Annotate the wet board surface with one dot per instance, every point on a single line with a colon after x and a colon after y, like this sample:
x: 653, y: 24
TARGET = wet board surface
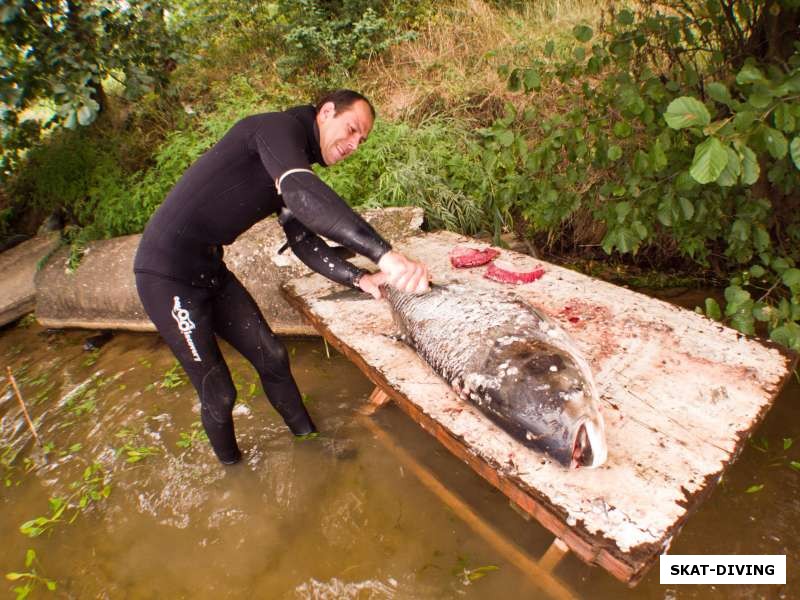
x: 680, y: 395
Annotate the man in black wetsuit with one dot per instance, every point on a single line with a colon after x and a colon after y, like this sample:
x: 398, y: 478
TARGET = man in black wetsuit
x: 262, y: 166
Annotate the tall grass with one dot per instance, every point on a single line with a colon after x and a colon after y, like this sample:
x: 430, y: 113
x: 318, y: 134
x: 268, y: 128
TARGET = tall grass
x: 451, y: 67
x: 435, y: 166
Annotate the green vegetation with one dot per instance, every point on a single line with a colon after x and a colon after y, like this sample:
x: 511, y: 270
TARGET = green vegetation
x: 662, y: 137
x: 195, y: 434
x: 31, y: 579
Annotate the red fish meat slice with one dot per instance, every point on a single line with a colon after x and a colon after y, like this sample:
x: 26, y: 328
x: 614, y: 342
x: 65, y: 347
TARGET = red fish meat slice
x: 466, y: 256
x: 506, y: 272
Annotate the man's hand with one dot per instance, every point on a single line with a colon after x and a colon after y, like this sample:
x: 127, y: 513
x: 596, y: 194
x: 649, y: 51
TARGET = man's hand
x: 406, y: 275
x: 371, y: 283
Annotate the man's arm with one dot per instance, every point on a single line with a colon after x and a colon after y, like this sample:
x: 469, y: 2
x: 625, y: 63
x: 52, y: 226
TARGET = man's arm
x: 322, y: 211
x: 316, y: 254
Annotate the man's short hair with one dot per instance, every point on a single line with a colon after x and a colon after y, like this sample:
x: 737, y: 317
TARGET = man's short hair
x: 342, y: 100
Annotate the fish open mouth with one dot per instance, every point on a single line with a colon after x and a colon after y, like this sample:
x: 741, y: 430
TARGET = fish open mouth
x: 589, y: 449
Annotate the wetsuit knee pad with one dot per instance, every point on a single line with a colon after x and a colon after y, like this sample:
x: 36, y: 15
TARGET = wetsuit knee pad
x: 217, y: 395
x: 274, y: 359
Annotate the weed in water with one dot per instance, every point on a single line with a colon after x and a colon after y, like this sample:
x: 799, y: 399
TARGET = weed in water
x: 195, y: 434
x: 136, y: 454
x: 174, y: 377
x: 133, y: 452
x: 27, y: 321
x: 30, y: 579
x: 7, y: 457
x: 91, y: 359
x: 467, y: 574
x: 93, y: 486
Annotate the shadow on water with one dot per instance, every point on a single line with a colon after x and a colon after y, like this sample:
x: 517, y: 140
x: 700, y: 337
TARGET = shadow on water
x: 335, y: 517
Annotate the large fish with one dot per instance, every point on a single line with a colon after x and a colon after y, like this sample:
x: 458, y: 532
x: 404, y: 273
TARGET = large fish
x: 510, y: 361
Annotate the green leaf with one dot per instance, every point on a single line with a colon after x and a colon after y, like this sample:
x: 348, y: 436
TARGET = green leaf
x: 795, y: 465
x: 750, y: 74
x: 666, y: 212
x: 740, y: 230
x: 718, y: 92
x: 763, y: 312
x: 658, y: 157
x: 622, y: 129
x: 531, y: 80
x: 614, y: 152
x: 743, y: 321
x: 622, y: 209
x: 582, y: 33
x: 759, y: 100
x: 641, y: 162
x: 794, y: 149
x: 744, y: 120
x: 775, y: 141
x: 787, y: 443
x: 505, y: 137
x: 549, y: 48
x: 783, y: 118
x: 687, y: 208
x: 787, y: 335
x: 750, y: 167
x: 30, y: 556
x: 791, y: 279
x: 712, y: 309
x: 16, y: 576
x: 735, y: 297
x: 51, y: 585
x: 757, y: 271
x: 625, y: 17
x: 779, y: 265
x: 754, y: 488
x: 710, y: 160
x: 730, y: 175
x: 761, y: 239
x: 687, y: 112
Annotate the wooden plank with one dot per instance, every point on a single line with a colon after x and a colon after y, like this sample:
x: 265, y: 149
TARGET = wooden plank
x: 680, y: 395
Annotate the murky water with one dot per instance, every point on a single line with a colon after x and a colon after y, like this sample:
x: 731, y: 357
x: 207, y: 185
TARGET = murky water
x: 151, y: 514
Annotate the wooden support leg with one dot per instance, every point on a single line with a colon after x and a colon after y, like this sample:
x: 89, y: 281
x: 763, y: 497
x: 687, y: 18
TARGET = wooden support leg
x: 376, y: 399
x: 554, y: 554
x: 540, y: 577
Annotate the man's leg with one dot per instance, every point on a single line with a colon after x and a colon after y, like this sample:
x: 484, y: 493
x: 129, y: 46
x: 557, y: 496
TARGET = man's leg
x: 183, y: 316
x: 238, y: 320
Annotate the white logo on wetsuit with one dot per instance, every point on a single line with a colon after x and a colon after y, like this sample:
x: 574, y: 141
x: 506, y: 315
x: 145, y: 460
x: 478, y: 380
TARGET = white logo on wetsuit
x: 186, y: 326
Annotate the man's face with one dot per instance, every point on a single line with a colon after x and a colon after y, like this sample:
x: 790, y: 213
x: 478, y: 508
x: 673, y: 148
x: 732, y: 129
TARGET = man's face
x: 340, y: 135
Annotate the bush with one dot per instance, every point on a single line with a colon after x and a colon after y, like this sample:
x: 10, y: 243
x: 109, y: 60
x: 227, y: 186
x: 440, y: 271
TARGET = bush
x: 670, y: 138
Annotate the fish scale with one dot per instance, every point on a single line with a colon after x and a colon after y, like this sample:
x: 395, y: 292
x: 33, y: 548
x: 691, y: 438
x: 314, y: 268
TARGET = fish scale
x: 511, y: 362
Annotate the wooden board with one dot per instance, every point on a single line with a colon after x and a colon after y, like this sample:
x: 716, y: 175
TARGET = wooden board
x: 680, y: 394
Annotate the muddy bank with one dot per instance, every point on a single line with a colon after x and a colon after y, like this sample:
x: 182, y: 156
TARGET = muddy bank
x: 101, y: 292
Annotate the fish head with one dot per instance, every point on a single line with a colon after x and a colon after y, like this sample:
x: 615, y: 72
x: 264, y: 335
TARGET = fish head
x: 548, y: 400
